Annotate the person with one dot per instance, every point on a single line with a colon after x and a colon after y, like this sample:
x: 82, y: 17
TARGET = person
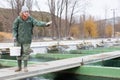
x: 22, y: 35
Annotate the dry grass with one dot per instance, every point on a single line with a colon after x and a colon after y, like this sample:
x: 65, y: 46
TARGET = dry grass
x: 5, y: 36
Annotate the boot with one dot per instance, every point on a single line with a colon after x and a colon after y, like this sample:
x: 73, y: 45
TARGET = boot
x: 25, y: 66
x: 19, y: 66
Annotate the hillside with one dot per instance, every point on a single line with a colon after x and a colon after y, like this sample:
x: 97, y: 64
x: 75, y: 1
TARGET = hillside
x: 6, y: 18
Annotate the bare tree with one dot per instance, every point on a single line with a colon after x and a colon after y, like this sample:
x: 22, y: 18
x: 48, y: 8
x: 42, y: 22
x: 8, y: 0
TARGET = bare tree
x: 66, y: 8
x: 42, y: 18
x: 66, y: 16
x: 53, y: 8
x: 51, y: 4
x: 57, y: 8
x: 29, y: 4
x: 61, y: 8
x: 71, y: 16
x: 38, y: 7
x: 81, y: 29
x: 16, y: 6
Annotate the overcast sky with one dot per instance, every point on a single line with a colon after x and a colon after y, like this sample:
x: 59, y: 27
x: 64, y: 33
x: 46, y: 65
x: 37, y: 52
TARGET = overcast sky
x: 96, y: 8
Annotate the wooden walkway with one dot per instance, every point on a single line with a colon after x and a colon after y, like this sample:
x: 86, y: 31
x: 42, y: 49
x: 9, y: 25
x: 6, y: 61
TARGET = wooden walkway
x: 54, y: 66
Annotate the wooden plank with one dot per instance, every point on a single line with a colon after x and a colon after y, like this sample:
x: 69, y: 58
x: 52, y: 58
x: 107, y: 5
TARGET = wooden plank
x: 57, y: 65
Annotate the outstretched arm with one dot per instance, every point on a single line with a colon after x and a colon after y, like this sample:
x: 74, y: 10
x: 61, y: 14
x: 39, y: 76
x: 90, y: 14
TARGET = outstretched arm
x: 39, y: 23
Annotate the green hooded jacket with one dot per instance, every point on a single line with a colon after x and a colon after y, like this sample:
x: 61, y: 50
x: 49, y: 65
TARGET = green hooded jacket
x: 23, y: 30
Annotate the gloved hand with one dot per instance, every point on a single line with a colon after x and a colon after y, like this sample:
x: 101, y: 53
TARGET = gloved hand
x: 14, y: 39
x: 48, y: 23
